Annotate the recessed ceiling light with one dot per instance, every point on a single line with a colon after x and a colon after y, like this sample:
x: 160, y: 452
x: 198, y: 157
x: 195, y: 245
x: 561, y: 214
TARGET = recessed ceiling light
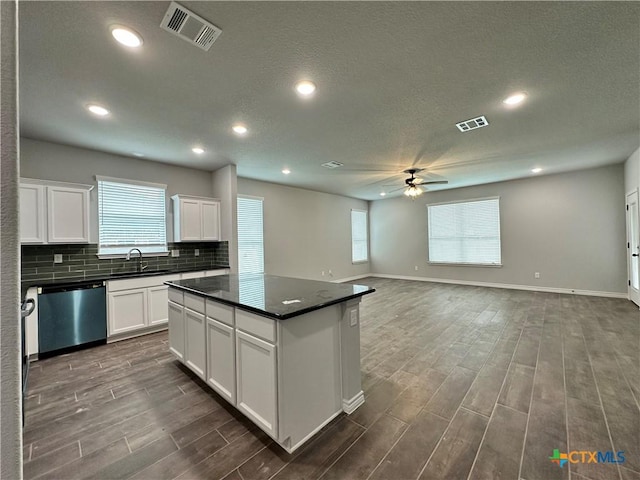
x: 126, y: 36
x: 305, y: 88
x: 515, y: 99
x: 536, y: 170
x: 198, y: 150
x: 138, y: 154
x: 286, y: 171
x: 240, y: 129
x: 97, y: 110
x: 382, y: 194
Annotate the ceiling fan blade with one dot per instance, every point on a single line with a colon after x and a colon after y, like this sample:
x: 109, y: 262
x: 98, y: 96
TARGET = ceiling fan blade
x: 434, y: 182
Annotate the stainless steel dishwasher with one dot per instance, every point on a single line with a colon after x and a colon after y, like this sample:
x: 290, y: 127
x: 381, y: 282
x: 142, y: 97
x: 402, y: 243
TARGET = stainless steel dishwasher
x: 71, y: 315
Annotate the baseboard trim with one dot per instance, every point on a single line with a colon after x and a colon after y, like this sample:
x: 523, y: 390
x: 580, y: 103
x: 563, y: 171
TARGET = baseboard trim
x: 532, y: 288
x: 351, y: 279
x: 351, y: 405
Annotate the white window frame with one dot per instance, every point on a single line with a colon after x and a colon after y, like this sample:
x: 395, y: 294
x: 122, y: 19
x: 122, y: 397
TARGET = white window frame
x: 465, y: 264
x: 116, y: 252
x: 366, y: 237
x: 261, y: 199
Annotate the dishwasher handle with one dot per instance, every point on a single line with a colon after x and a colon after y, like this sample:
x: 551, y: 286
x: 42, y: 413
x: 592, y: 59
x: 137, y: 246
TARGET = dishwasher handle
x: 24, y: 311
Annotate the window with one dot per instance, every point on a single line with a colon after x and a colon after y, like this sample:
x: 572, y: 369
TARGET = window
x: 465, y: 232
x: 359, y: 250
x: 250, y: 239
x: 131, y: 215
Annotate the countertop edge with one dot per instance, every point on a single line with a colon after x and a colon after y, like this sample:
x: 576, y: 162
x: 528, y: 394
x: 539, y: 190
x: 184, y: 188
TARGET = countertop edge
x: 263, y: 313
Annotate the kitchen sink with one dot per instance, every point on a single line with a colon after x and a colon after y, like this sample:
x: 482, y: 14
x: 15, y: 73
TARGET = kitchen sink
x: 140, y: 274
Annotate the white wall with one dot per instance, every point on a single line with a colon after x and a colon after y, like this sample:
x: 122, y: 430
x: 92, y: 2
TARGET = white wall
x: 10, y: 361
x: 632, y: 172
x: 51, y: 161
x: 569, y: 227
x: 306, y: 232
x: 225, y: 185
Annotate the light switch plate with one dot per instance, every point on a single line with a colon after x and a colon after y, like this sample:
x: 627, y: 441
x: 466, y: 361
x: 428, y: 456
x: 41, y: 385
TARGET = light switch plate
x: 57, y: 258
x: 175, y: 253
x: 354, y: 318
x: 196, y: 252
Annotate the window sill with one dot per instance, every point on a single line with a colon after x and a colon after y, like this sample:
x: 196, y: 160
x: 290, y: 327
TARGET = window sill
x: 452, y: 264
x: 359, y: 262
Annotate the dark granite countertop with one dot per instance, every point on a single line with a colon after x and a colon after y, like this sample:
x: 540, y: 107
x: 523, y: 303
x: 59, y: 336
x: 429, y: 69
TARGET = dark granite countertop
x: 272, y: 296
x: 108, y: 276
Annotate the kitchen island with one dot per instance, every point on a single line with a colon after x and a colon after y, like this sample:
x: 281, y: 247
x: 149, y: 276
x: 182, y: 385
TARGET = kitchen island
x: 284, y: 351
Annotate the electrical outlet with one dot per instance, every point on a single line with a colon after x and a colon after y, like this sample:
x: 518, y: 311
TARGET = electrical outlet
x: 175, y: 253
x: 416, y: 268
x: 57, y: 258
x: 353, y: 321
x: 536, y: 275
x: 330, y: 274
x: 196, y: 252
x: 323, y: 273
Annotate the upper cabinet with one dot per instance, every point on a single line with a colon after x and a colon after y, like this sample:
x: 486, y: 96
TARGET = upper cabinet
x: 196, y: 219
x: 54, y: 212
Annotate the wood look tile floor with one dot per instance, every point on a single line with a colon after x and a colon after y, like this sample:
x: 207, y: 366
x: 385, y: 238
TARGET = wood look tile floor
x: 460, y: 382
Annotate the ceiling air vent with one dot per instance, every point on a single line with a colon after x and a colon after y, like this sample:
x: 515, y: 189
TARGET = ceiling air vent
x: 472, y: 124
x: 189, y: 26
x: 332, y: 164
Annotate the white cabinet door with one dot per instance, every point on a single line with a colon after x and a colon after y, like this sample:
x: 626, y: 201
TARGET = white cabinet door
x: 221, y: 359
x: 210, y: 220
x: 190, y: 221
x: 68, y: 215
x: 256, y: 381
x: 195, y: 346
x: 158, y: 306
x: 32, y: 213
x: 127, y: 310
x: 176, y: 330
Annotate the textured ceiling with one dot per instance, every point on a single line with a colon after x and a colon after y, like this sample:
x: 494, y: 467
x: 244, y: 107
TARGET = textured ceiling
x: 393, y: 79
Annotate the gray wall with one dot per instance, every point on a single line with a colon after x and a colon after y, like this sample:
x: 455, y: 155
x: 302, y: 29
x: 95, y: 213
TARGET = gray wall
x: 306, y: 232
x: 10, y: 392
x: 569, y: 227
x: 51, y: 161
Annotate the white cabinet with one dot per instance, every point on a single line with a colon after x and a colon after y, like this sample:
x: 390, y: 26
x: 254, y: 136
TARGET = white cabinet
x: 32, y: 213
x: 127, y: 310
x: 176, y: 330
x: 195, y: 219
x: 256, y: 378
x: 195, y: 353
x: 54, y: 212
x: 137, y: 304
x: 221, y: 362
x: 157, y: 305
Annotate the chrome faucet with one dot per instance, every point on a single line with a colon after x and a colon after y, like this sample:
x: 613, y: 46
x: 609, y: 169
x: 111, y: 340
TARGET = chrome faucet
x: 139, y: 257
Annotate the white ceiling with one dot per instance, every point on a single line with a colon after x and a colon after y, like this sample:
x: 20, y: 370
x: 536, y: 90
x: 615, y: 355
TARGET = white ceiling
x: 393, y: 79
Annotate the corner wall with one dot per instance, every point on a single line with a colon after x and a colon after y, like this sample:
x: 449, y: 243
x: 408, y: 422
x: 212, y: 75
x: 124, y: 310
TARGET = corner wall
x: 570, y: 227
x: 306, y: 232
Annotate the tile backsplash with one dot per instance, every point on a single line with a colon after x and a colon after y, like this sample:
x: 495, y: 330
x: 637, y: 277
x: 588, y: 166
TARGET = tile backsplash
x: 79, y: 261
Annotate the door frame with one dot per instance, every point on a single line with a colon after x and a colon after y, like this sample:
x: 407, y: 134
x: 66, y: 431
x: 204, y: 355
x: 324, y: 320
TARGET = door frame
x: 633, y: 294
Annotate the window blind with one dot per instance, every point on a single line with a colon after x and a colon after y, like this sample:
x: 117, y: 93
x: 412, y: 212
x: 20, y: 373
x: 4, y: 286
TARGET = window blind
x: 359, y: 250
x: 250, y: 235
x: 131, y: 215
x: 465, y: 232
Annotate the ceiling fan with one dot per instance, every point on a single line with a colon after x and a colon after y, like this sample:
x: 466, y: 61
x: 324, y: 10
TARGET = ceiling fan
x: 412, y: 184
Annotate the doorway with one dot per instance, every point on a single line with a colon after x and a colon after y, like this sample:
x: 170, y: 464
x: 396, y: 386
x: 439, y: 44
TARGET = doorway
x: 633, y: 244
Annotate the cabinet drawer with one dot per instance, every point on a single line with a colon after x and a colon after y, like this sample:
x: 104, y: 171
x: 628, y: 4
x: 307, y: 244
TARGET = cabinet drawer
x: 138, y: 282
x: 176, y: 296
x: 194, y: 302
x: 220, y: 312
x: 261, y: 327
